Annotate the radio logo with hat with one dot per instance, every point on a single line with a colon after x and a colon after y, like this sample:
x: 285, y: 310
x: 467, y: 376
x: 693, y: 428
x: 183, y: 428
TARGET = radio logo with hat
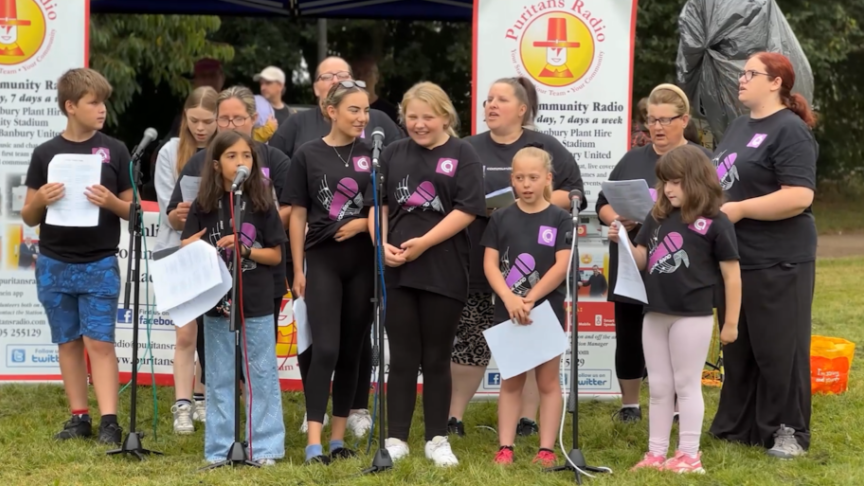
x: 22, y: 30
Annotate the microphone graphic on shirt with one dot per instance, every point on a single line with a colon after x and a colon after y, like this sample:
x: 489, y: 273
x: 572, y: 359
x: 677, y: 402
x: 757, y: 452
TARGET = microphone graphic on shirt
x: 247, y: 236
x: 671, y: 248
x: 727, y: 172
x: 424, y: 196
x: 346, y: 193
x: 521, y: 270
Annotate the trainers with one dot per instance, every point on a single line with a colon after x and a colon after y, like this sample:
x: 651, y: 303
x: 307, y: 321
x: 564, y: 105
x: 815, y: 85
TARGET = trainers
x: 786, y: 446
x: 455, y: 427
x: 199, y: 411
x: 504, y: 455
x: 439, y: 451
x: 342, y: 453
x: 396, y: 448
x: 628, y: 414
x: 545, y: 458
x: 182, y: 418
x: 77, y: 427
x: 266, y: 462
x: 111, y: 434
x: 526, y: 427
x: 304, y: 427
x: 322, y: 459
x: 359, y: 422
x: 655, y: 461
x: 683, y: 463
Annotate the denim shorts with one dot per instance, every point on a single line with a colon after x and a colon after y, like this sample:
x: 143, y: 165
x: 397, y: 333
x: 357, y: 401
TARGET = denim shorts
x: 80, y: 299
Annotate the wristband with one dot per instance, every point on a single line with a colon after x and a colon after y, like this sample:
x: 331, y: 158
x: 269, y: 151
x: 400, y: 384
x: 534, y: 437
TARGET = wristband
x: 245, y: 251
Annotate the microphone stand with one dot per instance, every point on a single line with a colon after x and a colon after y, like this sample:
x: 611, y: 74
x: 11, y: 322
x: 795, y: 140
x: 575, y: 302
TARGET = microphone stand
x: 575, y: 460
x: 382, y: 460
x: 132, y: 443
x: 237, y: 453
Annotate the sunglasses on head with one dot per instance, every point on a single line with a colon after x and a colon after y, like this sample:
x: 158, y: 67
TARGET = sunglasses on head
x: 352, y: 84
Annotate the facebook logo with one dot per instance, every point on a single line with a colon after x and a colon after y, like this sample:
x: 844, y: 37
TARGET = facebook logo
x: 493, y: 379
x: 124, y: 316
x: 18, y: 356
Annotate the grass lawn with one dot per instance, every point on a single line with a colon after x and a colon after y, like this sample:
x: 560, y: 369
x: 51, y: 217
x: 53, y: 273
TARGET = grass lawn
x: 29, y: 415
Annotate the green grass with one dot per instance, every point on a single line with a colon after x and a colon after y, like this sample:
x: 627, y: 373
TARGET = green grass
x: 29, y: 415
x: 837, y: 207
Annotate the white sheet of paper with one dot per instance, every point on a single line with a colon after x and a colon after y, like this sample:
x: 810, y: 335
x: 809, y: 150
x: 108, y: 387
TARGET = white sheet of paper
x: 185, y: 274
x: 630, y: 199
x: 629, y: 282
x: 76, y: 172
x: 517, y: 348
x: 500, y: 198
x: 189, y: 311
x: 189, y: 187
x: 301, y: 321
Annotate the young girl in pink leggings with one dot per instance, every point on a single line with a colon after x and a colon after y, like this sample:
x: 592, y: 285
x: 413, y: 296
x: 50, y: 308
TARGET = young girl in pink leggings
x: 685, y: 244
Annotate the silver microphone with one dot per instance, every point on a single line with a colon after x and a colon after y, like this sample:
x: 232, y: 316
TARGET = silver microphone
x: 240, y: 177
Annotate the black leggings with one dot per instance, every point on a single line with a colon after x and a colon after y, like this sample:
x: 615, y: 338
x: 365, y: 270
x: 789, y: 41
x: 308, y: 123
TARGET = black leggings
x: 629, y: 358
x: 421, y: 327
x: 199, y: 344
x: 339, y: 289
x: 364, y: 377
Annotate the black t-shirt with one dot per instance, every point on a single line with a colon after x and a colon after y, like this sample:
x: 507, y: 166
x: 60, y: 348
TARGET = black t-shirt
x: 754, y: 159
x: 421, y: 187
x: 82, y: 244
x: 310, y: 125
x: 527, y: 244
x: 387, y: 108
x: 281, y: 114
x: 637, y: 163
x: 258, y: 230
x: 497, y: 162
x: 596, y: 284
x: 684, y: 262
x: 275, y: 165
x: 331, y: 183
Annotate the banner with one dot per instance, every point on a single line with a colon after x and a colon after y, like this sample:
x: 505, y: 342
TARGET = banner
x: 39, y: 41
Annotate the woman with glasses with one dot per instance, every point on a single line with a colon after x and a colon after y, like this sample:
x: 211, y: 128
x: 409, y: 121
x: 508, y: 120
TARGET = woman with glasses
x: 767, y: 167
x: 668, y: 115
x: 328, y: 184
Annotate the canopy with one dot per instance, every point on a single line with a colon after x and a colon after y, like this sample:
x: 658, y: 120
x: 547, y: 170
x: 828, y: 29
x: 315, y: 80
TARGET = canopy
x: 370, y: 9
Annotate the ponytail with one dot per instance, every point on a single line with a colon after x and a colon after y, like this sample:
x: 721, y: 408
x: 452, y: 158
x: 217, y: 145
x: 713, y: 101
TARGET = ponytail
x: 547, y: 192
x: 800, y: 107
x: 779, y: 66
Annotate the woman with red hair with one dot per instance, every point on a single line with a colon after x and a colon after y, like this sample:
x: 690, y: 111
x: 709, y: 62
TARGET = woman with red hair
x: 767, y: 167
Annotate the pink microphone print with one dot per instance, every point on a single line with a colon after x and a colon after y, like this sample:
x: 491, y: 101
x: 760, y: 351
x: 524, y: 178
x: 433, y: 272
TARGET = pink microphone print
x: 424, y: 197
x: 347, y: 201
x: 519, y: 273
x: 727, y: 172
x: 667, y: 256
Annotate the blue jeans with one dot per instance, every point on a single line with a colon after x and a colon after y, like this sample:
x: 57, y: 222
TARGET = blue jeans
x: 268, y: 427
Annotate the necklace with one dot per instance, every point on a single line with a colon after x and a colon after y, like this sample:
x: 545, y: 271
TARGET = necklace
x: 351, y: 152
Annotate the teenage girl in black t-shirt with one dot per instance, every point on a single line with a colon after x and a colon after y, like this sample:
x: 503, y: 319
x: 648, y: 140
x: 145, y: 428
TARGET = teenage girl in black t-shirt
x: 433, y: 189
x: 327, y: 185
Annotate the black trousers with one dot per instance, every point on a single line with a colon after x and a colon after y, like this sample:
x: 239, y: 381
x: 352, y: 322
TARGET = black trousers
x: 339, y: 290
x: 629, y: 358
x: 767, y: 382
x: 421, y: 327
x: 199, y: 344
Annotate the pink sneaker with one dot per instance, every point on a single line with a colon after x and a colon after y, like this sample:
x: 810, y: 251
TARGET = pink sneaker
x: 685, y: 463
x: 504, y: 456
x: 651, y: 460
x: 545, y: 458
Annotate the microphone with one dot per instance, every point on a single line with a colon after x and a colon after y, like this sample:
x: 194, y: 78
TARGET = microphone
x: 242, y: 174
x: 149, y: 135
x: 575, y: 201
x: 377, y: 145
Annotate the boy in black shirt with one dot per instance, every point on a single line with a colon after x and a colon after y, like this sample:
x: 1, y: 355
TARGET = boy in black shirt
x: 77, y: 273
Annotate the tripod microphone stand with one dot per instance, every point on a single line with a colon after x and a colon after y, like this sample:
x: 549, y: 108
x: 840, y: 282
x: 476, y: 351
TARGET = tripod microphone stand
x: 575, y: 460
x: 237, y: 454
x: 132, y: 443
x: 382, y: 460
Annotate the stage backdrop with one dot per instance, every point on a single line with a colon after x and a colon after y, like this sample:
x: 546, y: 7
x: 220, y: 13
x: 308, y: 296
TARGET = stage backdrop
x: 579, y: 55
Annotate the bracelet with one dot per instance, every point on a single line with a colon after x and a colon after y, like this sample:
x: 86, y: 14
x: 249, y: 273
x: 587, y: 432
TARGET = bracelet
x: 245, y: 251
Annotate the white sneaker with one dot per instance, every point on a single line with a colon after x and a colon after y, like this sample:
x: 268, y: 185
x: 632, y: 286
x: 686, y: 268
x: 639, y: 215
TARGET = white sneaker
x: 439, y: 451
x: 182, y: 418
x: 199, y: 413
x: 266, y: 462
x: 304, y: 427
x: 396, y: 448
x: 360, y: 422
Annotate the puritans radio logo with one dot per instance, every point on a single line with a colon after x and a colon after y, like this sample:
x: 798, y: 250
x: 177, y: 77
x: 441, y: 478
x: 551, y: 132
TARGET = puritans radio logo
x: 22, y: 31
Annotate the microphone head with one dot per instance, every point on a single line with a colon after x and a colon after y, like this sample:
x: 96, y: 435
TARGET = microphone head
x: 151, y: 133
x: 242, y: 170
x: 378, y: 132
x: 575, y: 194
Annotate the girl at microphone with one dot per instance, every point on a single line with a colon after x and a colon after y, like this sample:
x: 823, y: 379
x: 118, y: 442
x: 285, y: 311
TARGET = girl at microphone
x: 328, y: 180
x: 261, y: 238
x: 683, y: 246
x: 525, y: 262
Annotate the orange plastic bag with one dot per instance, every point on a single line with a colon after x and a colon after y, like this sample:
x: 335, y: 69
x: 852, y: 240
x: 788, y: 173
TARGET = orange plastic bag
x: 830, y: 362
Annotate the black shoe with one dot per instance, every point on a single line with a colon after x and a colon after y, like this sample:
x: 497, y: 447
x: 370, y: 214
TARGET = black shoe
x: 526, y: 427
x: 628, y: 415
x: 322, y: 459
x: 77, y: 427
x: 455, y: 427
x: 342, y: 453
x: 111, y: 434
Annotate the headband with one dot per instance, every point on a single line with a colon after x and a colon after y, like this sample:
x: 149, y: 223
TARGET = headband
x: 676, y: 90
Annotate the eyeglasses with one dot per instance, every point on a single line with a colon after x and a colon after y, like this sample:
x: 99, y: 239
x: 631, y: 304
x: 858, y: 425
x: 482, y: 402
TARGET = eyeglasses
x: 665, y: 121
x: 748, y: 75
x: 341, y: 76
x: 237, y: 121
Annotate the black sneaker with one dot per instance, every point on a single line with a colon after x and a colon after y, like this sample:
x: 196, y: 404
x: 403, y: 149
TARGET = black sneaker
x: 628, y: 415
x: 111, y: 434
x: 455, y: 427
x: 322, y: 459
x: 526, y: 427
x: 342, y: 453
x: 77, y: 427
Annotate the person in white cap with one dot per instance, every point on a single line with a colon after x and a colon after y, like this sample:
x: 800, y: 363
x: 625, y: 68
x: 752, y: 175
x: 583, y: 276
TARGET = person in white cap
x: 272, y: 81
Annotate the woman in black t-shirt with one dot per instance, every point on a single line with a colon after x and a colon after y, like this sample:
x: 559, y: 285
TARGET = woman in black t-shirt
x: 767, y: 166
x: 668, y: 115
x: 327, y: 183
x: 433, y: 189
x: 510, y: 109
x: 260, y: 252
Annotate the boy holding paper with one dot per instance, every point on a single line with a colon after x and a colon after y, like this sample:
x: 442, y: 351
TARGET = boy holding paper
x: 77, y: 273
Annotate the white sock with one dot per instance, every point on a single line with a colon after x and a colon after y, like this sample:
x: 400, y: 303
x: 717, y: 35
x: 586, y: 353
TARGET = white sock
x: 630, y: 406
